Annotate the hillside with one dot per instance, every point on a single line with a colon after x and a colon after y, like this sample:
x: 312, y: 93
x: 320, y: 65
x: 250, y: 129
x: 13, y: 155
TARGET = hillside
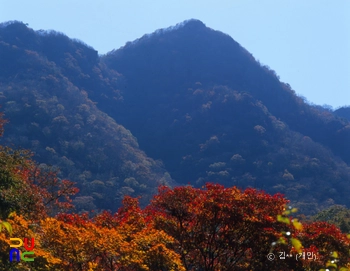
x: 174, y: 59
x: 201, y: 103
x: 183, y: 105
x: 42, y: 79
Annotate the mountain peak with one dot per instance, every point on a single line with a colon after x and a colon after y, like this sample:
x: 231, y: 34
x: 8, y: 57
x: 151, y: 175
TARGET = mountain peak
x: 193, y: 23
x: 187, y: 25
x: 190, y: 24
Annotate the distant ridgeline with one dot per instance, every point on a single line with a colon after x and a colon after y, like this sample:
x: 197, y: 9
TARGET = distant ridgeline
x: 183, y: 105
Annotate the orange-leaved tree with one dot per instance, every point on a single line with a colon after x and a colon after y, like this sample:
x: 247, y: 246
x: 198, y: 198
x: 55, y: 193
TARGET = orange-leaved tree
x: 219, y: 228
x: 22, y: 228
x: 125, y: 241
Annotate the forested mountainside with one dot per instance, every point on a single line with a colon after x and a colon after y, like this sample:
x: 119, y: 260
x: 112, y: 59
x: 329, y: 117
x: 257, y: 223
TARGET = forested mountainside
x: 42, y: 80
x: 169, y: 61
x: 197, y: 103
x: 200, y: 102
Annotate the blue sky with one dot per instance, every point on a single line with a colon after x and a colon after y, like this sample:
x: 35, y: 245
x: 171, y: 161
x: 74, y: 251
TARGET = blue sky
x: 307, y: 42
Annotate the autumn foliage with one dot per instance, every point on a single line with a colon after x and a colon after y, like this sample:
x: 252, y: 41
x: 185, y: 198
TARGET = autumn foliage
x: 212, y: 228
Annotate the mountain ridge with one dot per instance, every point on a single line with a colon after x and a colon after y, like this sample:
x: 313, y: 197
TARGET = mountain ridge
x: 199, y: 105
x: 228, y: 52
x: 50, y: 113
x: 161, y: 70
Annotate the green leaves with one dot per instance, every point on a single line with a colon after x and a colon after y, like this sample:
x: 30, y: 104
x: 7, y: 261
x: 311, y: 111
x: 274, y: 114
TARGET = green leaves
x: 283, y: 219
x: 296, y: 244
x: 297, y: 224
x: 7, y: 226
x: 290, y: 210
